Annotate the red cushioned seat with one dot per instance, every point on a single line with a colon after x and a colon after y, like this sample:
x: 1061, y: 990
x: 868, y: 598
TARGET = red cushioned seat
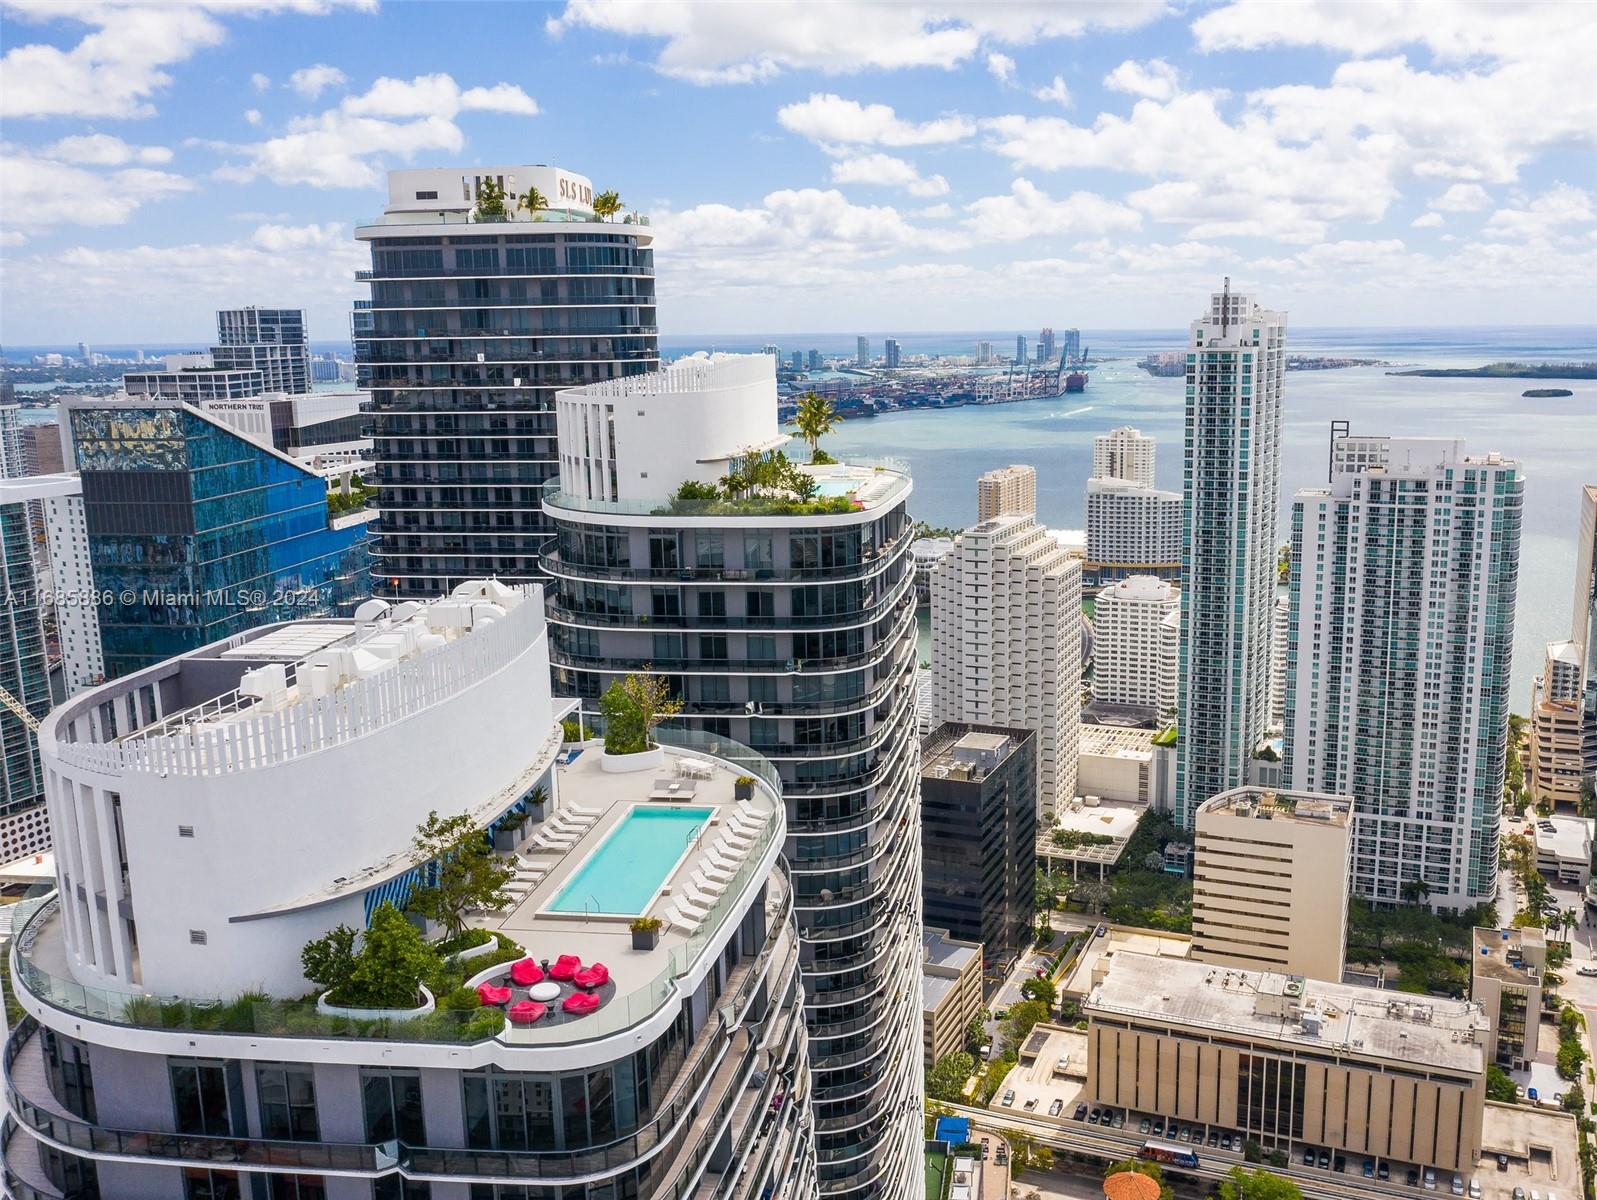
x: 525, y: 973
x: 488, y: 994
x: 579, y: 1003
x: 595, y: 976
x: 565, y: 968
x: 525, y: 1012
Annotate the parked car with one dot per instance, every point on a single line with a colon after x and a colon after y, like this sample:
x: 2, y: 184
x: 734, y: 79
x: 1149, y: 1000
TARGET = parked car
x: 1339, y: 1163
x: 1186, y: 1133
x: 1095, y: 1116
x: 1144, y: 1125
x: 1214, y: 1138
x: 1308, y: 1156
x: 1475, y: 1189
x: 1587, y: 969
x: 1369, y: 1168
x: 1030, y: 1104
x: 1055, y: 1107
x: 1325, y: 1159
x: 1458, y: 1185
x: 1009, y: 1098
x: 1225, y: 1141
x: 1412, y: 1177
x: 1080, y: 1114
x: 1100, y: 931
x: 1158, y: 1127
x: 1428, y: 1179
x: 1383, y: 1172
x: 1120, y: 1121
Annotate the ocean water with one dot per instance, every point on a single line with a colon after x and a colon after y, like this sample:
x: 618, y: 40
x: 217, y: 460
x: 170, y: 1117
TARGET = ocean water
x: 1554, y: 439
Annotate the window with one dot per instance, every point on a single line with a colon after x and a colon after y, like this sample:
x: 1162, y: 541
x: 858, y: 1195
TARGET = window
x: 709, y: 549
x: 712, y: 646
x: 715, y: 689
x: 666, y: 602
x: 71, y: 1079
x: 392, y: 1100
x: 667, y: 647
x: 760, y: 605
x: 757, y: 551
x: 288, y: 1102
x: 762, y: 648
x: 392, y: 1187
x: 200, y: 1183
x: 426, y: 195
x: 663, y: 553
x: 206, y: 1097
x: 295, y: 1187
x: 712, y: 606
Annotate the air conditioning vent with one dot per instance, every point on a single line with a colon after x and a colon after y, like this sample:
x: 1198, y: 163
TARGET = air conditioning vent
x: 196, y: 937
x: 185, y: 831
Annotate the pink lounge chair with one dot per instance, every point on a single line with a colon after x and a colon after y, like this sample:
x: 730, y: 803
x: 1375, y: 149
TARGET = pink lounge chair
x: 566, y: 966
x: 595, y: 976
x: 488, y: 994
x: 525, y: 1012
x: 524, y: 973
x: 580, y: 1003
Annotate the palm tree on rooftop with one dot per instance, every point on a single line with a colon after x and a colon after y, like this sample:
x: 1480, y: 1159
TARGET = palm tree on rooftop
x: 606, y: 205
x: 533, y: 201
x: 815, y: 419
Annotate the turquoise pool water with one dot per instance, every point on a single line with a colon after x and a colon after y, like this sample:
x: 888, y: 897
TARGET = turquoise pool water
x: 829, y: 488
x: 624, y: 871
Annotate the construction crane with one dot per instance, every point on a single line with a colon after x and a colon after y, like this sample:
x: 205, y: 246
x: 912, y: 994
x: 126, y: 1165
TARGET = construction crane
x: 16, y: 706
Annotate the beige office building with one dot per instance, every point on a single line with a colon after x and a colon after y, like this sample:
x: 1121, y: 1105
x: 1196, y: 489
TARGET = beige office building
x: 1270, y: 881
x: 950, y: 992
x: 1010, y: 489
x: 1506, y: 980
x: 1554, y: 764
x: 1290, y: 1062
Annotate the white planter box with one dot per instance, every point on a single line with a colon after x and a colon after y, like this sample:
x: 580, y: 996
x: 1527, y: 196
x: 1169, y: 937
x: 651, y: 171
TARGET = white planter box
x: 375, y: 1014
x: 647, y: 760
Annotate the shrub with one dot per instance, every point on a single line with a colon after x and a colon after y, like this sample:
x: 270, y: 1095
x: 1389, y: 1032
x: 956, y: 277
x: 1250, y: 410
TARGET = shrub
x: 329, y: 960
x: 571, y: 730
x: 632, y: 707
x: 644, y: 924
x: 392, y: 962
x: 452, y: 946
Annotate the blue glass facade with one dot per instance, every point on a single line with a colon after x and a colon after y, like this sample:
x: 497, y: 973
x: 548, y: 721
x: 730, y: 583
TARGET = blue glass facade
x: 22, y: 664
x: 196, y: 533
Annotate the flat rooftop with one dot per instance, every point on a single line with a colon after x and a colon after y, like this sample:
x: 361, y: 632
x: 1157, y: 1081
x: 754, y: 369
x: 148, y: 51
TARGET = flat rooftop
x: 1099, y: 952
x: 1116, y: 741
x: 1569, y: 837
x: 1291, y: 1011
x: 958, y: 751
x: 1266, y: 804
x: 1499, y: 954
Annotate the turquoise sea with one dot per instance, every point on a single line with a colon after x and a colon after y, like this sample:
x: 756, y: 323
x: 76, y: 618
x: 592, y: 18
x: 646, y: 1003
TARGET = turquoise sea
x: 1555, y: 439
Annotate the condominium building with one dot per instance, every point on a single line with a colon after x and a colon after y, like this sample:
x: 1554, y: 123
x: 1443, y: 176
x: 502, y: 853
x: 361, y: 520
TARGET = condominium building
x: 1290, y: 1062
x: 978, y: 804
x: 1006, y: 642
x: 1136, y: 641
x: 172, y: 1046
x: 1231, y: 480
x: 1132, y: 529
x: 1270, y: 882
x: 862, y: 352
x: 24, y: 670
x: 473, y: 323
x: 269, y: 340
x: 1045, y: 346
x: 950, y: 993
x: 984, y: 353
x: 1555, y: 764
x: 789, y: 625
x: 1280, y: 634
x: 1072, y: 345
x: 1505, y: 978
x: 195, y: 379
x: 1583, y: 626
x: 1020, y: 347
x: 197, y: 531
x: 77, y: 612
x: 1124, y: 453
x: 891, y: 352
x: 1403, y: 583
x: 1011, y: 489
x: 41, y: 449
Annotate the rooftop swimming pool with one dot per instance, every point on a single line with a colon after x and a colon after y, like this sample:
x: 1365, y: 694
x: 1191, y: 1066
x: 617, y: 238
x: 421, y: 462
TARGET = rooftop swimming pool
x: 623, y: 874
x: 830, y: 488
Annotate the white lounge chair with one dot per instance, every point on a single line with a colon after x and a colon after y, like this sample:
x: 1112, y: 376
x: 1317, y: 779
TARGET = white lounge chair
x: 739, y: 839
x: 691, y: 904
x: 746, y: 809
x: 695, y: 898
x: 723, y: 860
x: 751, y: 823
x: 593, y: 814
x: 679, y: 919
x: 706, y: 885
x: 554, y: 841
x: 714, y: 871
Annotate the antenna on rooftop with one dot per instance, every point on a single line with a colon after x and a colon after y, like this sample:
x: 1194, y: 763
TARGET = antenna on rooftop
x: 1225, y: 305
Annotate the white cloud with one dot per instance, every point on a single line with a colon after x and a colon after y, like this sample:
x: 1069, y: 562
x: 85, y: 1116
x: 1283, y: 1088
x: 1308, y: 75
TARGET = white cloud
x: 1001, y: 67
x: 1029, y: 212
x: 117, y: 66
x: 1430, y: 220
x: 103, y: 150
x: 311, y: 82
x: 37, y: 193
x: 1154, y: 79
x: 884, y: 170
x: 1055, y: 91
x: 1562, y: 204
x: 252, y: 115
x: 828, y: 118
x: 10, y: 237
x: 394, y: 119
x: 260, y: 82
x: 1462, y: 197
x: 742, y: 43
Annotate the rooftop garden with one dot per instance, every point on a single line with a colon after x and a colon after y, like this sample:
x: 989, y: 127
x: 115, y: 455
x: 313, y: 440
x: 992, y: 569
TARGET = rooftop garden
x: 764, y: 482
x: 356, y: 496
x: 632, y: 707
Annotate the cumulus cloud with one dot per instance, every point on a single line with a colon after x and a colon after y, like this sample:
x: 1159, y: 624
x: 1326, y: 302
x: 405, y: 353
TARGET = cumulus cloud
x: 1562, y: 204
x: 311, y: 82
x: 1001, y: 67
x: 1056, y: 92
x: 1430, y: 220
x: 744, y: 43
x: 38, y: 192
x: 1462, y: 197
x: 103, y: 150
x: 260, y: 82
x: 884, y: 170
x: 252, y: 115
x: 1026, y: 211
x: 346, y: 146
x: 1154, y: 79
x: 829, y: 119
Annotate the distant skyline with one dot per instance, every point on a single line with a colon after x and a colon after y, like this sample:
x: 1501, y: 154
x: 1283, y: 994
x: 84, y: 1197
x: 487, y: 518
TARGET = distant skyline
x: 906, y: 167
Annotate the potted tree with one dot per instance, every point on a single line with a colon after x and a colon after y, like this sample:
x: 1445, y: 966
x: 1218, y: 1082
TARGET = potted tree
x: 743, y: 787
x: 632, y: 707
x: 645, y: 932
x: 464, y: 872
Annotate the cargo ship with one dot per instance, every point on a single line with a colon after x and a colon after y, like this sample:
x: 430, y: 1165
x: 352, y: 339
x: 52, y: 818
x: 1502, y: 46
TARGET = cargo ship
x: 1076, y: 381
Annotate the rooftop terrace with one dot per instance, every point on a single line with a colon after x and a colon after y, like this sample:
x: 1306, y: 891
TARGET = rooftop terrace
x: 1265, y: 804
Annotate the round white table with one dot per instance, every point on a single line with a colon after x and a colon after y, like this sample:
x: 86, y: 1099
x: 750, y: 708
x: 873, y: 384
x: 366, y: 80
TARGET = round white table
x: 544, y: 991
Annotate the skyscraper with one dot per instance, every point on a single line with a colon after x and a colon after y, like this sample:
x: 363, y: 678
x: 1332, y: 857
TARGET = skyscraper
x: 1045, y: 346
x: 1131, y: 530
x: 673, y: 1065
x: 1020, y: 348
x: 1132, y: 622
x: 814, y: 360
x: 1404, y: 574
x: 862, y: 352
x: 1124, y: 453
x: 890, y: 352
x: 1231, y: 478
x: 474, y: 320
x: 1006, y: 489
x: 269, y: 340
x: 1583, y: 626
x: 984, y: 353
x: 1006, y: 642
x: 790, y: 626
x: 1072, y: 345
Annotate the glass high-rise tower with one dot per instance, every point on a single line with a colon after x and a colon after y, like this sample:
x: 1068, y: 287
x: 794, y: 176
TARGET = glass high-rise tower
x: 476, y: 316
x: 1231, y: 482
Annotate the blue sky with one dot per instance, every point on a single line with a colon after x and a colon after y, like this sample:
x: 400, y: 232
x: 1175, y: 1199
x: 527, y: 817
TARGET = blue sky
x: 821, y: 166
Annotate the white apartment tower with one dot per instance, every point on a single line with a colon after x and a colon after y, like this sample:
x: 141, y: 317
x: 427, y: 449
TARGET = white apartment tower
x: 1123, y: 453
x: 1280, y: 633
x: 1011, y: 489
x: 1132, y: 529
x: 1402, y: 592
x: 1231, y: 480
x: 1006, y: 642
x: 77, y: 619
x: 1131, y: 662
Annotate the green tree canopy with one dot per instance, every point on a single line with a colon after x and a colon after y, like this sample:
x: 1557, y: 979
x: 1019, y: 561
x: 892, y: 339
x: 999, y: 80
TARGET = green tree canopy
x: 465, y: 873
x: 816, y: 418
x: 533, y: 201
x: 392, y: 962
x: 1498, y: 1084
x: 632, y: 707
x: 946, y: 1080
x: 1040, y: 989
x: 1020, y: 1019
x: 1257, y: 1184
x: 606, y: 205
x: 490, y: 200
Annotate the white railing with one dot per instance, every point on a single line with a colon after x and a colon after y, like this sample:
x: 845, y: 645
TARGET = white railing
x: 251, y: 737
x: 688, y: 375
